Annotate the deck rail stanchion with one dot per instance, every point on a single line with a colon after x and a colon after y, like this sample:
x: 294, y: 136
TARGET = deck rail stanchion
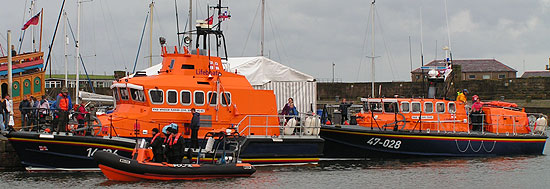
x: 514, y: 124
x: 498, y: 123
x: 483, y: 123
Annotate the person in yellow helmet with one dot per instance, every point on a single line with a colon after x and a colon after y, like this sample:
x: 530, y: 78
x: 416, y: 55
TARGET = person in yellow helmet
x: 462, y: 96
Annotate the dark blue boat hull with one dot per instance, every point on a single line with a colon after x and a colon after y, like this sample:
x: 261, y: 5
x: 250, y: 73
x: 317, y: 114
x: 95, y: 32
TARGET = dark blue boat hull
x: 362, y: 142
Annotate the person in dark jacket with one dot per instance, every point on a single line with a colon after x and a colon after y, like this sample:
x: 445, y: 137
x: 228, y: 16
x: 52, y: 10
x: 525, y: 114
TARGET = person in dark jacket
x: 344, y: 110
x: 174, y: 147
x: 156, y: 144
x: 195, y: 126
x: 24, y: 108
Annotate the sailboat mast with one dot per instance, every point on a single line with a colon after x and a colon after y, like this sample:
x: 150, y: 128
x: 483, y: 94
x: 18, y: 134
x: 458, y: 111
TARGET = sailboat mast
x: 448, y: 30
x: 190, y: 23
x: 77, y: 53
x: 372, y: 46
x: 65, y: 43
x: 151, y: 6
x: 32, y: 28
x: 262, y: 40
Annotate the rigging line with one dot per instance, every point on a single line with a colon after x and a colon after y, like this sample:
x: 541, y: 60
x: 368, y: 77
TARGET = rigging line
x: 177, y: 25
x: 53, y: 38
x: 80, y: 57
x: 273, y: 32
x: 251, y: 27
x: 22, y: 33
x: 390, y: 57
x: 155, y: 15
x: 117, y: 38
x: 278, y: 36
x: 140, y: 41
x: 107, y: 34
x: 363, y: 48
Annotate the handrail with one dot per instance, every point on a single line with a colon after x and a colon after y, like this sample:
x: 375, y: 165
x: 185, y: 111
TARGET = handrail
x: 300, y: 129
x: 22, y: 57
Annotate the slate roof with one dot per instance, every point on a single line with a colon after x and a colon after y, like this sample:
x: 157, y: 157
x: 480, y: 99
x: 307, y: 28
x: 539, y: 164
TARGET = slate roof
x: 529, y: 74
x: 474, y: 65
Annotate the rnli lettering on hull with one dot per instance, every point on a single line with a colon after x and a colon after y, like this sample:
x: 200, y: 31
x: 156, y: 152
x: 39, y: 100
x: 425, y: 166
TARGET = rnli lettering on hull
x: 423, y: 117
x: 184, y: 110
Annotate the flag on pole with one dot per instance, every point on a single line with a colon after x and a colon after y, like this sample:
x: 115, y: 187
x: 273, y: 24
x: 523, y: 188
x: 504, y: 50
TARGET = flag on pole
x: 224, y: 16
x: 33, y: 21
x: 210, y: 20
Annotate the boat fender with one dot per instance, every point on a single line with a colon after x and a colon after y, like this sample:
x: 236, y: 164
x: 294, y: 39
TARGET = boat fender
x: 289, y: 127
x: 209, y: 144
x: 308, y: 130
x: 540, y: 124
x: 317, y: 125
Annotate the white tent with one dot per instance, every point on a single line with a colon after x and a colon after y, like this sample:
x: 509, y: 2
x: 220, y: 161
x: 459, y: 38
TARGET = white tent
x: 261, y: 70
x: 286, y: 82
x: 266, y: 74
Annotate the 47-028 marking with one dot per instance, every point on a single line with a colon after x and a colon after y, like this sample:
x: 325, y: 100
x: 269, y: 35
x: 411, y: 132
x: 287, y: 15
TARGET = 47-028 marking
x: 386, y: 143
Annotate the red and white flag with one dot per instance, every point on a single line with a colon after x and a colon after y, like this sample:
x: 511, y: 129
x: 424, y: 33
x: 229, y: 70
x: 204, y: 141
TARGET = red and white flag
x: 32, y: 21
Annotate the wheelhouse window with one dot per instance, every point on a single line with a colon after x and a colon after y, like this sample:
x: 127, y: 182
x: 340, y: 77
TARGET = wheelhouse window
x: 212, y: 98
x: 452, y: 107
x: 390, y: 107
x: 199, y: 98
x: 137, y: 95
x: 440, y: 107
x: 428, y: 107
x: 157, y: 96
x: 186, y: 98
x: 415, y: 107
x: 375, y: 106
x: 405, y: 107
x: 115, y: 94
x: 172, y: 97
x: 124, y: 93
x: 226, y: 98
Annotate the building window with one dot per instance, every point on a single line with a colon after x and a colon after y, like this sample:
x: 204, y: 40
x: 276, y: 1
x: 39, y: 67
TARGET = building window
x: 157, y: 96
x: 472, y: 76
x: 486, y: 76
x: 501, y: 76
x: 71, y: 84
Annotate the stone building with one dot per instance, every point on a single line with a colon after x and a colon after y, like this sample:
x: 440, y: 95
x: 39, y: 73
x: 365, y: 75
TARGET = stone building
x: 473, y: 69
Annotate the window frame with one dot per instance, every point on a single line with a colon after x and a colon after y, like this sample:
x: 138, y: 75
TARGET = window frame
x: 127, y: 94
x: 195, y: 98
x: 115, y: 94
x: 190, y: 98
x: 488, y: 76
x: 449, y: 107
x: 420, y: 108
x: 208, y: 97
x: 430, y: 112
x: 444, y: 107
x: 137, y: 100
x: 470, y: 77
x: 408, y: 107
x: 223, y: 95
x: 503, y: 76
x: 151, y: 96
x: 168, y: 102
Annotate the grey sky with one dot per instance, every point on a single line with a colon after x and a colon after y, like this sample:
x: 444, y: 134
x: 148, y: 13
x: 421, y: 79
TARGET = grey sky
x: 308, y: 35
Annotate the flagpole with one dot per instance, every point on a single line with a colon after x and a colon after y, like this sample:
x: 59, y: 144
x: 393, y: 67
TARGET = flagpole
x: 77, y: 54
x: 151, y: 34
x: 41, y: 21
x: 32, y: 28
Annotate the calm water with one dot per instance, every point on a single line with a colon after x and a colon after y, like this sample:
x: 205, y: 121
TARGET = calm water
x: 500, y: 172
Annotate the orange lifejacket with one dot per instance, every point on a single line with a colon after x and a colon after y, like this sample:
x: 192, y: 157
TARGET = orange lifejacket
x: 64, y: 103
x: 171, y: 141
x: 155, y: 137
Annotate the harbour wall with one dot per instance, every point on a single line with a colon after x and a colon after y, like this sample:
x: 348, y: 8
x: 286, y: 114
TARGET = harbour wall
x: 532, y: 93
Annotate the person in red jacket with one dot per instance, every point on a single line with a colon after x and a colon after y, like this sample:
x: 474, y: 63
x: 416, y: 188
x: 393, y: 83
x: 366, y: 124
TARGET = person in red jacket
x: 81, y: 114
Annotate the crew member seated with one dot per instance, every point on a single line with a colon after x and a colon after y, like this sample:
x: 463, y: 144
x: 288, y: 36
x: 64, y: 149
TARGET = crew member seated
x: 173, y: 146
x: 156, y: 144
